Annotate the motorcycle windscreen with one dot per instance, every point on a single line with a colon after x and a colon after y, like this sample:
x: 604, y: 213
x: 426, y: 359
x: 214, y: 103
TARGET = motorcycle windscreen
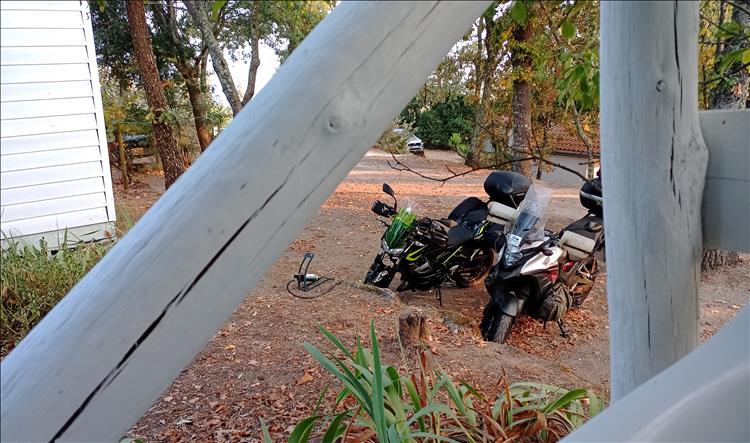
x: 396, y: 233
x: 529, y: 225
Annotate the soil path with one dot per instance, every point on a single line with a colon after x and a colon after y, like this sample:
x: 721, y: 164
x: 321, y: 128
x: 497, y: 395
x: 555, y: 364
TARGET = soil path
x: 255, y: 365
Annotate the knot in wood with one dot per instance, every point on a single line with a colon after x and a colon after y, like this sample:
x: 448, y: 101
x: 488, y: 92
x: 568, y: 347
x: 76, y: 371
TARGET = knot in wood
x: 660, y: 85
x: 336, y: 123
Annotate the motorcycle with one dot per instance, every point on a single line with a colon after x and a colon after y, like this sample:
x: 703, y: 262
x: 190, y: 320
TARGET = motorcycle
x: 427, y: 252
x: 540, y: 273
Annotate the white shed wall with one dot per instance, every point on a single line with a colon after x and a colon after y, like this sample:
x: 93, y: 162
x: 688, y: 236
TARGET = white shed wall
x: 54, y: 163
x: 563, y: 177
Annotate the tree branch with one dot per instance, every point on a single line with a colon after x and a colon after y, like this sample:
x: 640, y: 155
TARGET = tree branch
x: 735, y: 5
x: 736, y: 34
x: 400, y: 166
x: 730, y: 73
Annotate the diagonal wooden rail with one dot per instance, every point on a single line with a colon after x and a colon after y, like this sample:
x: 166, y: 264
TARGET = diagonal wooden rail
x: 106, y: 352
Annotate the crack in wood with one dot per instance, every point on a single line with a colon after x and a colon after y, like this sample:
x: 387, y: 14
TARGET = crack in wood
x: 116, y: 370
x: 677, y: 54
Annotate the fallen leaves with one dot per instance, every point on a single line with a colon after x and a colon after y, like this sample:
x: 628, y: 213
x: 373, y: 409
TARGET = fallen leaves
x: 307, y: 378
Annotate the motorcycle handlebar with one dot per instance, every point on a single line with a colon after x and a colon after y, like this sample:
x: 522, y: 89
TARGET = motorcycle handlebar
x: 383, y: 209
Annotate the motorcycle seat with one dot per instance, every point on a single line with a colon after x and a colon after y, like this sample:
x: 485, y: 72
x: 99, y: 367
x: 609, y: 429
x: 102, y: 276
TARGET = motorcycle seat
x: 593, y: 226
x: 589, y: 226
x: 468, y: 205
x: 448, y: 223
x: 459, y: 234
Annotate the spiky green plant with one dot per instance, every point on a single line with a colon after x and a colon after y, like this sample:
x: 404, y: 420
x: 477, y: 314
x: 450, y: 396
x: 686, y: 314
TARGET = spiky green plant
x: 377, y: 404
x: 33, y: 281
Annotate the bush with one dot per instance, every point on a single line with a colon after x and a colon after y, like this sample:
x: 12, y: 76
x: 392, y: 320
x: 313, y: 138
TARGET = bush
x: 33, y: 281
x: 379, y: 404
x: 436, y: 125
x: 395, y: 137
x: 458, y: 145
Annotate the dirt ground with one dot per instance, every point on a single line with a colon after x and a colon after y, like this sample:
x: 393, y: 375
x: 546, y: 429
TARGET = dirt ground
x: 255, y: 365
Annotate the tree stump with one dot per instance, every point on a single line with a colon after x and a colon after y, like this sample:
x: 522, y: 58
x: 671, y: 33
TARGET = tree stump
x: 714, y: 259
x: 412, y: 328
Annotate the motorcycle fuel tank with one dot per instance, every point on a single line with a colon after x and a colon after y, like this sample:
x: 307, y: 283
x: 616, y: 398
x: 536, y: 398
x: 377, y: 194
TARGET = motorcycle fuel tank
x: 541, y: 262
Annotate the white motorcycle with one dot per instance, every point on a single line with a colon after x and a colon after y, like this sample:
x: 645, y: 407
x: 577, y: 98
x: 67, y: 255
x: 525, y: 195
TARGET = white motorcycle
x: 540, y: 273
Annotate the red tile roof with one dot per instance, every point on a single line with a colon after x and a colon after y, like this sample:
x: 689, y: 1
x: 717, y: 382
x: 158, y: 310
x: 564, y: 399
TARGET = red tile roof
x: 564, y: 140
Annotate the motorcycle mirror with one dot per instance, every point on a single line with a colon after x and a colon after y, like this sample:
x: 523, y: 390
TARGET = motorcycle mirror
x: 388, y: 190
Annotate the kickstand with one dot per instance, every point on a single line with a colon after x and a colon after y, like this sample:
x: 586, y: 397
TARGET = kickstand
x: 439, y: 295
x: 563, y: 331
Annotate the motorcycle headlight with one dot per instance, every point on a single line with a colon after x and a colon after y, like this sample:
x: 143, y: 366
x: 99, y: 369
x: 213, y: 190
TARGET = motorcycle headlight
x: 394, y: 252
x: 384, y: 246
x: 511, y: 258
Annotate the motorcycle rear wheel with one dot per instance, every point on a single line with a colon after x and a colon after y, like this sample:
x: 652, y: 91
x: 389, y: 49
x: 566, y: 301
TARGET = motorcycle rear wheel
x: 473, y: 272
x: 584, y: 280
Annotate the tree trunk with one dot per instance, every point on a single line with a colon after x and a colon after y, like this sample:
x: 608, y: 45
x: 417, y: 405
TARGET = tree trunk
x: 252, y: 71
x: 198, y: 13
x: 199, y: 111
x: 731, y: 93
x: 188, y: 67
x: 477, y: 133
x: 413, y: 330
x: 521, y: 135
x: 542, y: 149
x: 586, y: 141
x: 654, y: 160
x: 171, y: 155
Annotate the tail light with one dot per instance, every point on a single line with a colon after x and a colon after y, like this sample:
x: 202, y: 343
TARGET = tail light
x: 553, y: 274
x: 567, y: 265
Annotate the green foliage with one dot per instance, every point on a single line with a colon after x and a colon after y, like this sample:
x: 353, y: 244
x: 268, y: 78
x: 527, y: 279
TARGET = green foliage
x: 519, y: 12
x: 216, y: 8
x: 456, y: 142
x: 377, y: 402
x: 436, y: 125
x: 264, y: 431
x: 33, y: 281
x: 740, y: 55
x: 282, y: 25
x: 723, y: 51
x: 114, y: 47
x: 411, y: 112
x: 218, y: 115
x: 394, y: 139
x: 578, y: 85
x: 567, y: 29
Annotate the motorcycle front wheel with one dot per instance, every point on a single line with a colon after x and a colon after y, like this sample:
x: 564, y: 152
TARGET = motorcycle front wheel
x: 496, y: 324
x: 379, y: 274
x: 474, y: 270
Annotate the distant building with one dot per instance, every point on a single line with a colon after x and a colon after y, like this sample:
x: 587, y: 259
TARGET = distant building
x: 568, y: 150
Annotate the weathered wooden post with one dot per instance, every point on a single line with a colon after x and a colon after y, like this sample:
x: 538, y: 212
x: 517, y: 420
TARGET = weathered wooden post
x: 123, y: 157
x: 654, y: 168
x: 114, y: 343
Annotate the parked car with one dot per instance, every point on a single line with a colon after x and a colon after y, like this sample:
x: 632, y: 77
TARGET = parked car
x: 414, y: 145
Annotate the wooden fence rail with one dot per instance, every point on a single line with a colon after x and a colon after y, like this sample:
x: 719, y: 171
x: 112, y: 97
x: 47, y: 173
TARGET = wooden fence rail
x: 106, y: 352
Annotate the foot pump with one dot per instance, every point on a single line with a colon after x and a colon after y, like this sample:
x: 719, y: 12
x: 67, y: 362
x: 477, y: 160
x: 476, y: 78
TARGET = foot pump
x: 307, y: 280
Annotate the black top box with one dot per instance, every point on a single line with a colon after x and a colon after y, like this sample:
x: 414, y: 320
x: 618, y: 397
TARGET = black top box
x: 507, y: 187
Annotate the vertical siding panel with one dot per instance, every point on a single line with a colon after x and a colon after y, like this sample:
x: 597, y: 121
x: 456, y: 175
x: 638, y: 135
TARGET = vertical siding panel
x: 96, y: 87
x: 54, y: 141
